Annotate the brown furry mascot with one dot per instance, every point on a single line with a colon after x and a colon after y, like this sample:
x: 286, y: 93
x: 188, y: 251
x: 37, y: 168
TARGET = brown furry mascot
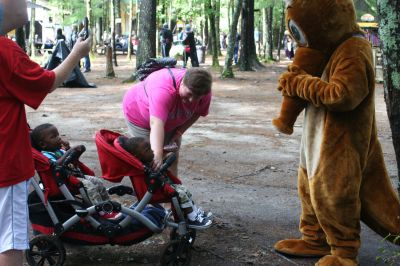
x: 342, y: 177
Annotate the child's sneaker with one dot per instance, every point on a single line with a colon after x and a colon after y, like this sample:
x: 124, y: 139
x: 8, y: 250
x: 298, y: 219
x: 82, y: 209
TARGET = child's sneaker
x: 200, y: 222
x: 203, y: 214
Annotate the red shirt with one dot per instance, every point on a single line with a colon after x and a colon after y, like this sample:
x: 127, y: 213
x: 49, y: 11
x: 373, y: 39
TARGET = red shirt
x: 22, y: 81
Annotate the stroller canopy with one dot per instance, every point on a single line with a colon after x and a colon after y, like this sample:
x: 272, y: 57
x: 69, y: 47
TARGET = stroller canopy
x: 116, y: 163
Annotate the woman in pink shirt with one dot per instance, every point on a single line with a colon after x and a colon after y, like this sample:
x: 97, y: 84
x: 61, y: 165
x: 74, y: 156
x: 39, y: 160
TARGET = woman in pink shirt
x: 163, y: 106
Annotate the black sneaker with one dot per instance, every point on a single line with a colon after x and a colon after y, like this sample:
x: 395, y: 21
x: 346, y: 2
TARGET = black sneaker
x: 199, y: 222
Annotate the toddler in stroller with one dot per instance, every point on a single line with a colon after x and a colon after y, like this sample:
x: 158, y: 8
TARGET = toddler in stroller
x: 141, y: 149
x: 58, y: 213
x: 46, y: 139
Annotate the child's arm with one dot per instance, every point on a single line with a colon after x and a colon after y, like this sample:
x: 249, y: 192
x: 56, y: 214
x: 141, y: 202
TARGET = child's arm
x: 12, y: 15
x: 80, y: 149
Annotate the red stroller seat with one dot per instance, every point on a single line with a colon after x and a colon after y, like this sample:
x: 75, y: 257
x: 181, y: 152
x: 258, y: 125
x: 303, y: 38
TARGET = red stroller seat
x: 45, y: 172
x: 116, y: 163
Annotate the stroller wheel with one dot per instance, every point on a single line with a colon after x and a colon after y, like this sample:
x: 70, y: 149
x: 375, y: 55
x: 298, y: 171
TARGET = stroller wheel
x: 45, y: 250
x: 177, y: 253
x: 190, y: 236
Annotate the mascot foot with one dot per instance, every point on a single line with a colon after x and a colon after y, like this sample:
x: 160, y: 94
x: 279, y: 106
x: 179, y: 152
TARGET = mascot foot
x: 332, y: 260
x: 300, y: 248
x: 282, y: 127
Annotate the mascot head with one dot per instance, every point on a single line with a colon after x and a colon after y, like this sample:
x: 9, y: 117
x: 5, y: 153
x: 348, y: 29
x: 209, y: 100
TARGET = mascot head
x: 321, y: 24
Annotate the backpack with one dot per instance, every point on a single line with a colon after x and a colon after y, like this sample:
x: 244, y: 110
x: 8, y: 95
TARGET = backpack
x: 154, y: 64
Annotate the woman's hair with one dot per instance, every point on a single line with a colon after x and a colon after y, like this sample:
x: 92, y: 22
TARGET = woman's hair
x: 198, y: 80
x: 37, y: 135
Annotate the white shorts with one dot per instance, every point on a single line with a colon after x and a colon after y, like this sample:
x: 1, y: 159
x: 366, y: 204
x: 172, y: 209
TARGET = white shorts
x: 14, y: 217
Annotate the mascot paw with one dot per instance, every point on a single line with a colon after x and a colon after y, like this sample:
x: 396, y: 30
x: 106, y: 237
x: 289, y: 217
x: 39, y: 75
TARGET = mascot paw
x: 282, y: 127
x: 332, y: 260
x: 300, y: 248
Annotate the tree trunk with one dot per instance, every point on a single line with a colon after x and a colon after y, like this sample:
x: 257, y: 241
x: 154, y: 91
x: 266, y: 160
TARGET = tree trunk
x: 112, y: 23
x: 269, y: 43
x: 248, y: 60
x: 281, y: 33
x: 89, y: 16
x: 213, y: 32
x: 217, y: 8
x: 20, y: 37
x: 227, y: 71
x: 32, y: 50
x: 118, y: 27
x: 147, y: 33
x: 109, y: 65
x: 389, y: 30
x: 130, y: 48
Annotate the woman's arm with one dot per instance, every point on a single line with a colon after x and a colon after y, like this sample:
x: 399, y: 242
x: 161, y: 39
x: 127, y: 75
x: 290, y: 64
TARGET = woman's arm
x: 157, y: 140
x: 13, y: 15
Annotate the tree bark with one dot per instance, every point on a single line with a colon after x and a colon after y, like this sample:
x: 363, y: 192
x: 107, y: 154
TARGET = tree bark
x: 248, y: 60
x: 281, y: 33
x: 109, y: 65
x: 389, y: 31
x: 213, y: 32
x: 20, y: 37
x: 147, y: 33
x: 228, y: 71
x: 118, y: 27
x: 112, y: 23
x: 32, y: 50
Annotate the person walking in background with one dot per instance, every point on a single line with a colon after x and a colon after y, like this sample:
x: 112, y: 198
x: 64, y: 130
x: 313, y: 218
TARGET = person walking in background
x: 86, y: 64
x: 190, y: 47
x: 166, y: 40
x: 60, y: 35
x: 22, y: 82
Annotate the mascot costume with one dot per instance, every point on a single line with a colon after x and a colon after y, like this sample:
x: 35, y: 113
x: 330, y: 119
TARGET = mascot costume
x: 342, y: 177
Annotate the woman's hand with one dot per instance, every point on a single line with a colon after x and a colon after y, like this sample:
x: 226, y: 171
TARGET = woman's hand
x: 157, y: 162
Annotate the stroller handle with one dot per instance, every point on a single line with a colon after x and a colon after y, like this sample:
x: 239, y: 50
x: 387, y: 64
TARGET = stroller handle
x: 168, y: 162
x: 73, y: 155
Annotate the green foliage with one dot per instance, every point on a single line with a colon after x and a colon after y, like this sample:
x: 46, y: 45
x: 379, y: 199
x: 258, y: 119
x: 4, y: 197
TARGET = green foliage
x: 73, y: 11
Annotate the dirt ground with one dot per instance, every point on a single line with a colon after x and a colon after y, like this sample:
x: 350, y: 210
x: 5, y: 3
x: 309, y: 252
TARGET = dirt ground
x: 235, y: 163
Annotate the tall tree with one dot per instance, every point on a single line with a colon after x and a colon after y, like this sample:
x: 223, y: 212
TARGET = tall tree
x: 118, y: 26
x: 147, y: 33
x: 228, y: 71
x: 32, y: 48
x: 112, y: 23
x: 248, y: 60
x: 389, y: 31
x: 214, y: 38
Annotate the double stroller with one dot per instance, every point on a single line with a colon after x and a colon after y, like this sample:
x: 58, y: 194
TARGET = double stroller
x: 60, y: 211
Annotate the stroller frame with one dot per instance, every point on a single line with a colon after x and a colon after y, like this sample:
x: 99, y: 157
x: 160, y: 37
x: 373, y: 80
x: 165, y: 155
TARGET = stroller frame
x: 49, y: 247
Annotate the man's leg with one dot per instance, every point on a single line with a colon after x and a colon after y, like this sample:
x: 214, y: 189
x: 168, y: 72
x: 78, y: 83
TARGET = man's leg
x: 14, y: 236
x: 11, y: 257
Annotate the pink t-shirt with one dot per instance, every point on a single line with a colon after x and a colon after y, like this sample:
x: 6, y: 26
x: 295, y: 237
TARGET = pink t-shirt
x: 156, y: 96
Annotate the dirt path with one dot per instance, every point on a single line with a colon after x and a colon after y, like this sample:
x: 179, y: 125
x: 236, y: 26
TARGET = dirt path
x: 234, y: 161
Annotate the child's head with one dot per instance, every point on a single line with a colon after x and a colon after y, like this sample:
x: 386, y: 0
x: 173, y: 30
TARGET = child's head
x: 46, y: 137
x: 138, y: 147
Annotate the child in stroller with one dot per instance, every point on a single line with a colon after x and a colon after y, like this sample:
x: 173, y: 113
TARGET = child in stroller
x: 141, y: 149
x: 46, y: 139
x: 58, y: 213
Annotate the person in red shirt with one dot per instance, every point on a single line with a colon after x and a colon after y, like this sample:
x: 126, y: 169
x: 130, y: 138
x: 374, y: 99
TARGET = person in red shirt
x: 22, y: 82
